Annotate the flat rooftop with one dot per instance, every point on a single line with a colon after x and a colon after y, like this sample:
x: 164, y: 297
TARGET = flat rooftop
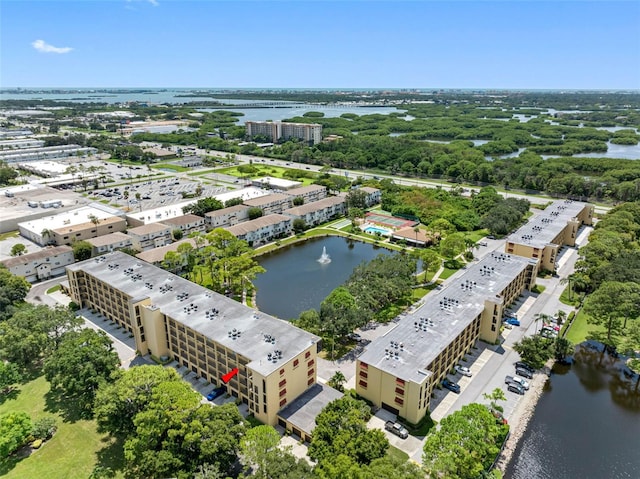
x: 66, y: 219
x: 273, y: 182
x: 248, y: 332
x: 407, y: 350
x: 302, y: 412
x: 306, y: 189
x: 544, y: 227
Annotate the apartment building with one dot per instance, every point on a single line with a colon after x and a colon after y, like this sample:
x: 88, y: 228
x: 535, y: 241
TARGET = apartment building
x: 272, y: 203
x: 399, y: 371
x: 309, y: 193
x: 156, y: 256
x: 42, y: 264
x: 186, y: 223
x: 544, y: 234
x: 320, y: 211
x: 110, y: 242
x: 374, y: 195
x: 150, y: 236
x: 310, y: 133
x: 74, y: 225
x: 227, y: 216
x: 264, y: 229
x: 271, y: 361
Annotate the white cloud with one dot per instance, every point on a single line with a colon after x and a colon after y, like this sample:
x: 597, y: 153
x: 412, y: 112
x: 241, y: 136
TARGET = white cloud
x: 44, y: 47
x: 154, y: 3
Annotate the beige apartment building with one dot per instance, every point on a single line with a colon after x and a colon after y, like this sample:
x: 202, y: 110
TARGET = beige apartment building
x: 186, y: 223
x: 543, y: 236
x: 150, y: 236
x: 399, y: 371
x: 310, y: 133
x: 204, y: 331
x: 320, y: 211
x: 110, y: 242
x: 263, y: 229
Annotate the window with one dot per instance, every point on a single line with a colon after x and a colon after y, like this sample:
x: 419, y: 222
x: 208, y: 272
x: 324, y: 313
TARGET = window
x: 400, y: 381
x: 295, y: 363
x: 282, y: 403
x: 363, y: 383
x: 281, y: 372
x: 399, y: 401
x: 364, y: 374
x: 310, y: 381
x: 310, y: 363
x: 493, y: 327
x: 364, y: 366
x: 307, y: 354
x: 400, y: 391
x: 283, y: 392
x: 311, y: 371
x: 282, y: 383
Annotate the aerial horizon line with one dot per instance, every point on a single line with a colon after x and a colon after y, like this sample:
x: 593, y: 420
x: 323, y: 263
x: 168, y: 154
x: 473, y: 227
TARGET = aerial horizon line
x: 292, y: 88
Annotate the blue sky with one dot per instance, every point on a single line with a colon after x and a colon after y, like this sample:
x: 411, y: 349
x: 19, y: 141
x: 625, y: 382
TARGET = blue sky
x: 320, y: 44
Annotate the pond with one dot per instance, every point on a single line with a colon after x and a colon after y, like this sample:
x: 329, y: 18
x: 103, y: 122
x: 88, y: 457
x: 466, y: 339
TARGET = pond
x: 586, y: 425
x: 296, y: 281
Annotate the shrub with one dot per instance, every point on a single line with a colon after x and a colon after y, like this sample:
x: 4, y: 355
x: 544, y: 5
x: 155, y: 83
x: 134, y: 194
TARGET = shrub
x: 44, y: 428
x: 36, y: 444
x: 73, y: 306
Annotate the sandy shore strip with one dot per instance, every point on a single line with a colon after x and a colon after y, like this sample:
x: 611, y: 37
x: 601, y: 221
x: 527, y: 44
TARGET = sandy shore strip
x: 522, y: 414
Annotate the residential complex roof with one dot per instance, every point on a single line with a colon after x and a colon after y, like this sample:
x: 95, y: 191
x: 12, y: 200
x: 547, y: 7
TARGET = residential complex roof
x: 146, y: 229
x: 42, y: 254
x: 111, y: 238
x: 268, y: 199
x: 155, y: 255
x: 250, y: 333
x: 253, y: 225
x: 315, y: 205
x: 544, y: 227
x: 407, y: 350
x: 225, y: 211
x: 66, y: 219
x: 183, y: 220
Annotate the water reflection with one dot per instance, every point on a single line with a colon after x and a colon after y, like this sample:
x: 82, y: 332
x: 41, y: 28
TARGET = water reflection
x: 586, y: 424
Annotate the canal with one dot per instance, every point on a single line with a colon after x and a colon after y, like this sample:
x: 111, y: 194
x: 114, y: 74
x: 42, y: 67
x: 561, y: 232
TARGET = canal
x: 586, y: 425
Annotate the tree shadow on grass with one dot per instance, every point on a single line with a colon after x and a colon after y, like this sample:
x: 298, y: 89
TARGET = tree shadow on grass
x: 111, y: 456
x: 9, y: 394
x: 67, y: 408
x: 7, y: 465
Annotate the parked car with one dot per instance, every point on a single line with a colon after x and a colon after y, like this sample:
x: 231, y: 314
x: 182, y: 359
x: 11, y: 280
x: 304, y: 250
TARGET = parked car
x: 523, y: 365
x: 512, y: 321
x: 451, y: 386
x: 525, y: 373
x: 216, y: 392
x: 515, y: 379
x: 515, y: 388
x: 463, y: 370
x: 397, y: 429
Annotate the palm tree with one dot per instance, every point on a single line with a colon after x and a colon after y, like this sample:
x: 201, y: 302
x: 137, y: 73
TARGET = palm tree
x: 46, y: 233
x: 337, y: 381
x: 545, y: 318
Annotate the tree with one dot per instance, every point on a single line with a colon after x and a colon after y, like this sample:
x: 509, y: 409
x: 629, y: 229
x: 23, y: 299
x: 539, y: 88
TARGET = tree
x: 177, y: 234
x: 341, y: 428
x: 46, y: 233
x: 609, y: 306
x: 175, y: 433
x: 389, y: 467
x: 18, y: 249
x: 9, y: 375
x: 356, y: 198
x: 44, y: 428
x: 254, y: 213
x: 337, y: 381
x: 13, y: 290
x: 15, y: 428
x: 118, y: 403
x: 452, y: 245
x: 33, y: 332
x: 562, y: 348
x: 298, y: 201
x: 83, y: 361
x: 299, y: 225
x: 256, y: 446
x: 541, y: 318
x: 465, y: 445
x: 534, y: 350
x: 203, y: 206
x: 496, y: 395
x: 81, y: 250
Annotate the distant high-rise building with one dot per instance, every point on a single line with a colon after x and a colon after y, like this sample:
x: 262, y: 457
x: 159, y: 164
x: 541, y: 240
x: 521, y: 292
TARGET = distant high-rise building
x: 308, y: 132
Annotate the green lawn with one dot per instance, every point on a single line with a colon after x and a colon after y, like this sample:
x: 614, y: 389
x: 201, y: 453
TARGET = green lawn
x: 446, y: 273
x: 268, y: 170
x: 74, y: 450
x: 580, y: 328
x: 53, y: 289
x: 169, y: 166
x: 396, y: 453
x: 10, y: 234
x: 564, y: 297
